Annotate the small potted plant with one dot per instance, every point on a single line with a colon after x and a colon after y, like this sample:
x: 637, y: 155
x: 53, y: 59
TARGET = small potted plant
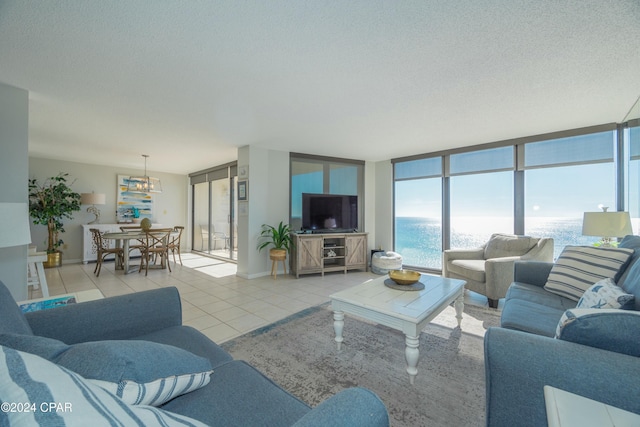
x: 49, y: 203
x: 279, y: 237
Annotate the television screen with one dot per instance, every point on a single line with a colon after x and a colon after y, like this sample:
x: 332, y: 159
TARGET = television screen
x: 329, y: 212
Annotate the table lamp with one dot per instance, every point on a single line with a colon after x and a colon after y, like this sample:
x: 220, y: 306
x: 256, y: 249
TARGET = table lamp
x: 606, y: 225
x: 93, y: 199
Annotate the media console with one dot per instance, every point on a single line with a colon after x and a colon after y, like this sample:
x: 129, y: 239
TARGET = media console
x: 320, y: 253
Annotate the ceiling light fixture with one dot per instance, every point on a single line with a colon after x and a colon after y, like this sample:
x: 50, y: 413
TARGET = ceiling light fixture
x: 145, y: 183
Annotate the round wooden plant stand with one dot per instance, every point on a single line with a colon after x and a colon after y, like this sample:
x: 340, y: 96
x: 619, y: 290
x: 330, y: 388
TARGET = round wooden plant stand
x: 277, y: 255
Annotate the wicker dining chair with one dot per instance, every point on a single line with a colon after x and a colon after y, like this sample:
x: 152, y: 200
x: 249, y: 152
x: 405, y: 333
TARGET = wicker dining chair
x: 156, y: 244
x: 103, y: 250
x: 174, y: 243
x: 139, y: 244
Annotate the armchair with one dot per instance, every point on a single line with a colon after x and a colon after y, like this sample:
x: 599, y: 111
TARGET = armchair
x: 488, y: 270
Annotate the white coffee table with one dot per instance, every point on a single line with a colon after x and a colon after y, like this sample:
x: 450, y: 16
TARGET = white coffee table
x: 406, y: 311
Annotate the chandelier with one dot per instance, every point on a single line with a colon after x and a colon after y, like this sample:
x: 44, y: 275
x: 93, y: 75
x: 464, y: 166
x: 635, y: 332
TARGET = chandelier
x: 145, y: 183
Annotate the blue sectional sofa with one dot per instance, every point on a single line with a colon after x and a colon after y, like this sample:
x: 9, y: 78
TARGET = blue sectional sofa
x: 139, y: 335
x: 596, y: 356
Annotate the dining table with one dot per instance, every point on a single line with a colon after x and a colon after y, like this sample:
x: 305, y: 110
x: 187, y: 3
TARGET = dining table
x: 123, y: 239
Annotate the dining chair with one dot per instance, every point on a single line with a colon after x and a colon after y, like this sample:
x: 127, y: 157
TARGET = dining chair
x: 204, y: 236
x: 103, y: 250
x: 218, y: 236
x: 156, y: 244
x: 135, y: 246
x: 174, y: 243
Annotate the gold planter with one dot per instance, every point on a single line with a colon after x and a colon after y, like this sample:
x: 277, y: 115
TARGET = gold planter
x: 53, y: 260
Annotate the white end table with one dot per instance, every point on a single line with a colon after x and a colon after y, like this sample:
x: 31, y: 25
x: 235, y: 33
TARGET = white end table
x: 566, y: 409
x: 36, y: 274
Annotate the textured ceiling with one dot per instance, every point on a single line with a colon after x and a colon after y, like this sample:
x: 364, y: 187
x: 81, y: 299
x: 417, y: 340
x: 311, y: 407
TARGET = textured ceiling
x: 188, y: 82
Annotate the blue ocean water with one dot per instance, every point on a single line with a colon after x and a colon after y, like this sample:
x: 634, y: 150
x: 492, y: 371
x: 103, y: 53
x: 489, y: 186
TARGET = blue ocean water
x: 420, y: 243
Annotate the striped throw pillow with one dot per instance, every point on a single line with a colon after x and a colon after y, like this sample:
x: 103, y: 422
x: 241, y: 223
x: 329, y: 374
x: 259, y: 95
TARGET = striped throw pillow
x: 579, y: 267
x: 46, y: 394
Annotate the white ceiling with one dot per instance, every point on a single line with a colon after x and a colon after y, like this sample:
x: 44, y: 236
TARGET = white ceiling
x: 190, y: 81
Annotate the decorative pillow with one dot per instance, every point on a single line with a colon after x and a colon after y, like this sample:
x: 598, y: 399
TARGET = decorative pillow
x: 608, y: 329
x: 605, y: 294
x: 139, y: 372
x: 48, y: 395
x: 579, y: 267
x: 505, y: 245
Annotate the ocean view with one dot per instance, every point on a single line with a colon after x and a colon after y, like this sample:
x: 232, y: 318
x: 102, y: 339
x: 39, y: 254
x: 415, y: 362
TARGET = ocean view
x: 419, y: 239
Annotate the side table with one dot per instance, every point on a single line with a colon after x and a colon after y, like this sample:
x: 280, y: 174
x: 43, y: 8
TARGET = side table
x: 36, y: 276
x: 566, y: 409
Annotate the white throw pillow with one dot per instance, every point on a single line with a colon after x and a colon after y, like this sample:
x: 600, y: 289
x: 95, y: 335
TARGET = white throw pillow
x: 605, y: 294
x: 579, y: 267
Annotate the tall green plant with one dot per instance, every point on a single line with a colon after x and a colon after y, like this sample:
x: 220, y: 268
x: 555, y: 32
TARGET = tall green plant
x: 279, y: 237
x: 49, y: 203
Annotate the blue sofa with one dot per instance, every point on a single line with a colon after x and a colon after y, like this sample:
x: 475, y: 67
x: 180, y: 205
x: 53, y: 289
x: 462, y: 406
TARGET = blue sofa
x: 598, y: 358
x: 237, y: 393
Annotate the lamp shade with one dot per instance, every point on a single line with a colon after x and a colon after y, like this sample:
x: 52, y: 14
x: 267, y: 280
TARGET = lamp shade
x: 14, y: 227
x: 606, y: 224
x: 93, y: 198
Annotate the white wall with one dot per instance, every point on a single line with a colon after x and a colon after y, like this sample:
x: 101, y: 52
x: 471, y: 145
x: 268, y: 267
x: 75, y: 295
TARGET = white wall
x: 14, y: 144
x: 268, y: 204
x: 170, y: 206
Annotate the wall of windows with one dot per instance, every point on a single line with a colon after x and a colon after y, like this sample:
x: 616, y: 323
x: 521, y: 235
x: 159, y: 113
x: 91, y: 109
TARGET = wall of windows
x: 539, y: 186
x: 324, y: 175
x: 563, y: 179
x: 418, y: 211
x: 632, y: 135
x: 481, y: 195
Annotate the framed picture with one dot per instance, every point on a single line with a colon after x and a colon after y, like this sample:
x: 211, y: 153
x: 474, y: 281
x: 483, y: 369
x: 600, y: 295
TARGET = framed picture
x: 243, y: 190
x: 132, y: 205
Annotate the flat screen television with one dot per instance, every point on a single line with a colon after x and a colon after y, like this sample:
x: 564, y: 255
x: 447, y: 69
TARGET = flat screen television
x: 329, y: 212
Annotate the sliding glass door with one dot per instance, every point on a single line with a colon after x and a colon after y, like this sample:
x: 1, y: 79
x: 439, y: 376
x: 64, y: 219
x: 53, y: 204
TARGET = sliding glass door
x: 214, y: 207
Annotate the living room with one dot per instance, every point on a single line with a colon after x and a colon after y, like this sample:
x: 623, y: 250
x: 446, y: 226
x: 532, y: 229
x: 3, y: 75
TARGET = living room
x: 365, y: 82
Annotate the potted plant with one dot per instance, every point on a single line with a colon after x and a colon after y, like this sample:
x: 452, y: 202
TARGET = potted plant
x: 49, y: 203
x: 279, y: 237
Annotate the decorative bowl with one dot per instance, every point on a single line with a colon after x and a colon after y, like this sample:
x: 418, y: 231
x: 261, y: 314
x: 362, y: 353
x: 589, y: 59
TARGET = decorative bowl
x: 404, y: 277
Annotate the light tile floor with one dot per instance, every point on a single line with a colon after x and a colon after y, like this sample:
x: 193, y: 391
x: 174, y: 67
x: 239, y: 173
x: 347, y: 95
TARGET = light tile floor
x: 214, y: 300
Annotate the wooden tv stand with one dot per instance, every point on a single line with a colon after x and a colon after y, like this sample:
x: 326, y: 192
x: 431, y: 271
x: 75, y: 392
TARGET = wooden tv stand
x: 320, y: 253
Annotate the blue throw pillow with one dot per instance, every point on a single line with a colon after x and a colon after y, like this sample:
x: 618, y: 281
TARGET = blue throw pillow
x: 139, y: 372
x: 50, y: 395
x: 609, y: 329
x: 630, y: 276
x: 630, y: 242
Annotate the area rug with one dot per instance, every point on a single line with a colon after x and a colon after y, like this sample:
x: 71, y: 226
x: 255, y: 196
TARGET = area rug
x: 300, y: 354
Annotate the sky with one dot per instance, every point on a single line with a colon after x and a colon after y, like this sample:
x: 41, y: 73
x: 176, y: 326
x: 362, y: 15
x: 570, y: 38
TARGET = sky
x: 549, y: 192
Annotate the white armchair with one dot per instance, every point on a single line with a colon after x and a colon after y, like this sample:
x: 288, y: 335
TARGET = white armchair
x: 488, y: 270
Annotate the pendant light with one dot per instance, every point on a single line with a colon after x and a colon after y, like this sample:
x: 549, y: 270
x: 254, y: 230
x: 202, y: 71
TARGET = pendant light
x: 145, y: 183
